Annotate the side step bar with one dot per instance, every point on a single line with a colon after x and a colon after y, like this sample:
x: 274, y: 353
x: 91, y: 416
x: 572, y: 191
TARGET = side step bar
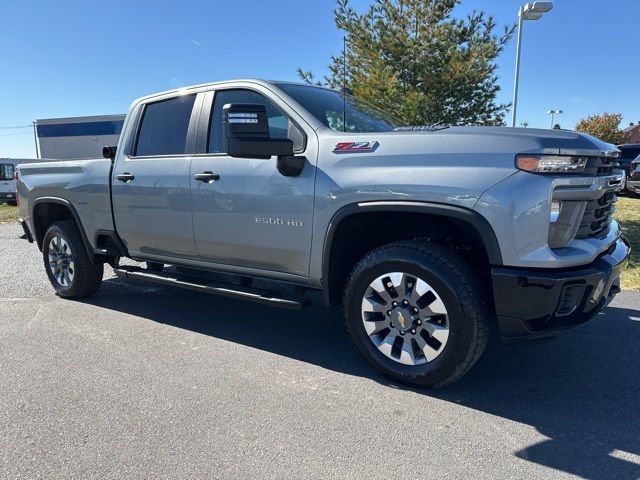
x: 174, y: 279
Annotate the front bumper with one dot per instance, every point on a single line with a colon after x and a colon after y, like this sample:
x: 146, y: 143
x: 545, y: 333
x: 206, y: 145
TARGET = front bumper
x: 8, y: 197
x: 633, y: 185
x: 534, y: 303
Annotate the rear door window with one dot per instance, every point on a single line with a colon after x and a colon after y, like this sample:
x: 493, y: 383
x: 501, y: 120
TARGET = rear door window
x: 164, y: 127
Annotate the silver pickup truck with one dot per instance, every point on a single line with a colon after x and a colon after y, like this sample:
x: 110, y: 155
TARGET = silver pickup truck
x: 266, y: 190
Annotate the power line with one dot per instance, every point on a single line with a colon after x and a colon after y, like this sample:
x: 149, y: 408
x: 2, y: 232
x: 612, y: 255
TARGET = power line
x: 13, y: 134
x: 18, y: 126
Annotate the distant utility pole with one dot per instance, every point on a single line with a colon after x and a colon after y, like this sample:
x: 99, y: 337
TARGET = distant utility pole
x: 35, y: 138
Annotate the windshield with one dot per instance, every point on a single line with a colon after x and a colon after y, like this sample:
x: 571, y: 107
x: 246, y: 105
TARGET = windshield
x: 328, y: 106
x: 6, y: 171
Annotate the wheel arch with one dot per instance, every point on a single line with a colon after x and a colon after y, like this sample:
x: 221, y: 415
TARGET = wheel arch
x: 333, y: 273
x: 45, y: 211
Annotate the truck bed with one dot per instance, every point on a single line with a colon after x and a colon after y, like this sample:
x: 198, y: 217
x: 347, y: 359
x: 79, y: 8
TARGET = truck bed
x: 84, y: 184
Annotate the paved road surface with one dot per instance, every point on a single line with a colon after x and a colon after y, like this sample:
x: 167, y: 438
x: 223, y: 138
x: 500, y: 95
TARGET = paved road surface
x: 147, y: 382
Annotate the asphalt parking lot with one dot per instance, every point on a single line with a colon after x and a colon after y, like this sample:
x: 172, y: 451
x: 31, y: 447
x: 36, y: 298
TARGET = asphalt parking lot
x: 148, y: 382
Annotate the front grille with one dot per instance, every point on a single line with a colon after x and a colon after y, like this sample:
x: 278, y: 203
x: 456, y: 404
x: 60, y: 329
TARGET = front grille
x: 599, y: 166
x: 597, y: 216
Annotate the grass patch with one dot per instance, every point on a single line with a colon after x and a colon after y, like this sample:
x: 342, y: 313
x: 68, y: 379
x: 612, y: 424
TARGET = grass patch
x: 628, y: 215
x: 8, y: 213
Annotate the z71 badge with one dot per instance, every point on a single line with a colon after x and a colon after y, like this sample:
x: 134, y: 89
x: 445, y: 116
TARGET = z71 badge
x: 355, y: 147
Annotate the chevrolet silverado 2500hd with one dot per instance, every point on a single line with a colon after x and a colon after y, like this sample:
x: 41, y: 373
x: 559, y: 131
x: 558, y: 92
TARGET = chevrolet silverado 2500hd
x: 424, y: 234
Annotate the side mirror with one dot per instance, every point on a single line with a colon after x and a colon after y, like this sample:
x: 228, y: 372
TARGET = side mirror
x: 109, y: 152
x: 246, y: 133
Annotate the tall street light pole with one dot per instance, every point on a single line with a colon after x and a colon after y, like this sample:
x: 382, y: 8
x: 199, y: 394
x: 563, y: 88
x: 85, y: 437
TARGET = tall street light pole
x: 528, y: 11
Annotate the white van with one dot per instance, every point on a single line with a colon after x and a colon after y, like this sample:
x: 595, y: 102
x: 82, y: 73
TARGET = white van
x: 7, y: 184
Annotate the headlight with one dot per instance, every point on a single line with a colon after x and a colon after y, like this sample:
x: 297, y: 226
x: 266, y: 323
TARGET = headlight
x: 553, y: 164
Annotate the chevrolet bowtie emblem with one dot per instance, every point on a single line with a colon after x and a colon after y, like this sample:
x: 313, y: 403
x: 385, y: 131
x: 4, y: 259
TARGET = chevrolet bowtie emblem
x: 400, y: 319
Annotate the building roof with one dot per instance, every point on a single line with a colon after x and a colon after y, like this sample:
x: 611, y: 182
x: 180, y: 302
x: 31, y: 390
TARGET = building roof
x: 89, y: 119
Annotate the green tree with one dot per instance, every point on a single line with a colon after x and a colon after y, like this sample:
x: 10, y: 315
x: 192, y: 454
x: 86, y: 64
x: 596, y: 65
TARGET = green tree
x: 606, y: 127
x: 412, y: 58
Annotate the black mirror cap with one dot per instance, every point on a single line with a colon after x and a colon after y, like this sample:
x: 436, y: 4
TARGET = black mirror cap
x: 290, y: 166
x: 109, y: 152
x: 259, y: 148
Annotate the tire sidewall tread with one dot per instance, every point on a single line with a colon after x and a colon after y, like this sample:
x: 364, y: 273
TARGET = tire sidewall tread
x: 87, y: 276
x: 458, y: 287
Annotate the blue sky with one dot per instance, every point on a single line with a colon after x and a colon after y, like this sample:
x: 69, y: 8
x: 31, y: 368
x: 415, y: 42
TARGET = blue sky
x: 70, y: 58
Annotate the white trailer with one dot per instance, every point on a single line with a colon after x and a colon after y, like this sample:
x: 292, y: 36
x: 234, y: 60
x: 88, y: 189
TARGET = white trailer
x: 77, y: 137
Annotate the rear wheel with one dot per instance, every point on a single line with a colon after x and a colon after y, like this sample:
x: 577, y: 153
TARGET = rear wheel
x: 415, y: 311
x: 67, y: 264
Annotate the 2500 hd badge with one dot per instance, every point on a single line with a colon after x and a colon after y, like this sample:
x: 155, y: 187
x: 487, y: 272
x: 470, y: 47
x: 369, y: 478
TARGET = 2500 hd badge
x: 279, y: 221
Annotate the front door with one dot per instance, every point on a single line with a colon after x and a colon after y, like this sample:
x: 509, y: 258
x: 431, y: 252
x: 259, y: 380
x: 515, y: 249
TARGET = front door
x: 252, y: 216
x: 151, y: 183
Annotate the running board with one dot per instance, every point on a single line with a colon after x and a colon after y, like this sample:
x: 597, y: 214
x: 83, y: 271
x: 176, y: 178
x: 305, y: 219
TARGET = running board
x: 174, y: 279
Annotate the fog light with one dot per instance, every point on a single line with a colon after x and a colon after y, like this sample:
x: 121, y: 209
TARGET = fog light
x: 597, y: 292
x: 569, y: 299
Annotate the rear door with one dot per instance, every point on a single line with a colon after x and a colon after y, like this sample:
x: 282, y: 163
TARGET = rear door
x: 252, y: 216
x: 151, y: 183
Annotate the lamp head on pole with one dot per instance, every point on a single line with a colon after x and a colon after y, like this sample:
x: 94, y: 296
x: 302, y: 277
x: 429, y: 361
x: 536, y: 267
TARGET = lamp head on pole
x: 535, y: 10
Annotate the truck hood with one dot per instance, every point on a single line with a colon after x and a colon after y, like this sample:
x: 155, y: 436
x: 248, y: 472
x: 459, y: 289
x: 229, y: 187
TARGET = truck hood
x: 564, y: 142
x: 483, y: 140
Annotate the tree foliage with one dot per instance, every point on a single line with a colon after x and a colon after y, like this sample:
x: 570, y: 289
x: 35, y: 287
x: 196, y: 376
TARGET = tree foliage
x: 606, y: 127
x: 413, y: 58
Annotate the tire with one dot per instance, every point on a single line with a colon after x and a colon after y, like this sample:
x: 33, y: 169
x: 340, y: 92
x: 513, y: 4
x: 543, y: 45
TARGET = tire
x: 82, y: 277
x: 442, y: 331
x: 155, y: 266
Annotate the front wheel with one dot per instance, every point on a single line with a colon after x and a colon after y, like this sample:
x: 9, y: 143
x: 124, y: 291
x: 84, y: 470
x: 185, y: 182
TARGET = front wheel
x: 67, y: 264
x: 415, y: 311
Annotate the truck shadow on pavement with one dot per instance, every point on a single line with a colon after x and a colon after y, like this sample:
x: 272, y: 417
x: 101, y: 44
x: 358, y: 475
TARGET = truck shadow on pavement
x: 581, y: 390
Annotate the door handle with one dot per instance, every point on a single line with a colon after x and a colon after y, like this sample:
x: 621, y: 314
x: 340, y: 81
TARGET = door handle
x: 206, y: 177
x: 125, y: 177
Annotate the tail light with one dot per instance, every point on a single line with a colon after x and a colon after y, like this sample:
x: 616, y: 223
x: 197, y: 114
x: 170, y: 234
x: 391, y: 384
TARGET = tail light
x: 15, y: 177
